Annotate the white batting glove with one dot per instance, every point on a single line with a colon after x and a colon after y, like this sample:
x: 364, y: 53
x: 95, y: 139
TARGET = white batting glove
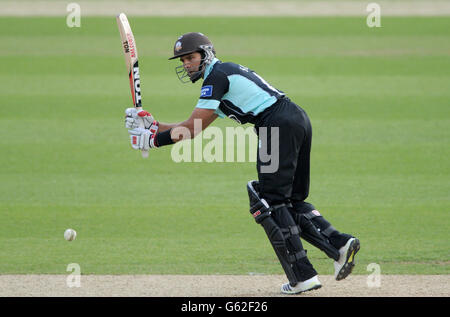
x: 134, y: 119
x: 142, y: 139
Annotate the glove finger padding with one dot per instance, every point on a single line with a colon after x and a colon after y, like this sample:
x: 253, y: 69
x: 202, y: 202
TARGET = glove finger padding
x: 131, y: 123
x: 132, y: 120
x: 135, y: 119
x: 146, y: 118
x: 131, y: 112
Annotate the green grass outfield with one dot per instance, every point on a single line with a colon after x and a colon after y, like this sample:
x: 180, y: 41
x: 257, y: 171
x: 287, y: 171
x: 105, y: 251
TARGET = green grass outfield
x: 379, y: 103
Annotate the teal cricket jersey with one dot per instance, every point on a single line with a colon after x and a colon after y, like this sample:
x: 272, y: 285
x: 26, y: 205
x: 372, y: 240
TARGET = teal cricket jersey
x: 236, y: 91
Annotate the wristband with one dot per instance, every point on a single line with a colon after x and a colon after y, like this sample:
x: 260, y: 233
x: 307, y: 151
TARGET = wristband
x: 163, y: 138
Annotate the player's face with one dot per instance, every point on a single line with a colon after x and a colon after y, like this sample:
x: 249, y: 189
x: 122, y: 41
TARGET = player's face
x: 191, y: 62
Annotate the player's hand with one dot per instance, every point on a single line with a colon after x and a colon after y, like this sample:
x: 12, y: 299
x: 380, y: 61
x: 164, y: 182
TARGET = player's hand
x: 135, y: 119
x: 142, y: 139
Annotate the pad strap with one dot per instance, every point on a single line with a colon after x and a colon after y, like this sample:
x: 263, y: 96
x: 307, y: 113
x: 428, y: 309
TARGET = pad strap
x: 328, y: 231
x: 292, y: 258
x: 260, y: 211
x: 290, y: 231
x: 310, y: 215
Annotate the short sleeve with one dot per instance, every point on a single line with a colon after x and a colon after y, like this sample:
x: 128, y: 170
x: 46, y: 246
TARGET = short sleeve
x: 213, y: 88
x: 220, y: 113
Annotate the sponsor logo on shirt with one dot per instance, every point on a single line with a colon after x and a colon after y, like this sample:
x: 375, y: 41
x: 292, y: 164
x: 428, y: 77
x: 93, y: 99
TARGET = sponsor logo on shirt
x: 206, y: 91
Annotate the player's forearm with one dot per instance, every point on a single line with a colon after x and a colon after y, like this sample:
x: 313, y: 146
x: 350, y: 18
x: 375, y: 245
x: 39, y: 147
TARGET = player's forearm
x: 180, y: 131
x: 190, y: 128
x: 166, y: 126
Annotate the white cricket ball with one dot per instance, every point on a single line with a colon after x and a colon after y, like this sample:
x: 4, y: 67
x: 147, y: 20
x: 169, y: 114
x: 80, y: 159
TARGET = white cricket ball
x: 70, y: 234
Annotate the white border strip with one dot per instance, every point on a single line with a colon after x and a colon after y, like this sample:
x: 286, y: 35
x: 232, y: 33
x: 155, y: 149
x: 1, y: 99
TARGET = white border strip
x: 20, y: 8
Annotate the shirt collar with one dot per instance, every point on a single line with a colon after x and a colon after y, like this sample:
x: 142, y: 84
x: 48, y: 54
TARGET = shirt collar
x: 209, y: 67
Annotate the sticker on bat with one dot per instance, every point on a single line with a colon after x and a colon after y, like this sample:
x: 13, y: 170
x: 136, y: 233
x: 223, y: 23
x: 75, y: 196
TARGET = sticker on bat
x: 137, y: 84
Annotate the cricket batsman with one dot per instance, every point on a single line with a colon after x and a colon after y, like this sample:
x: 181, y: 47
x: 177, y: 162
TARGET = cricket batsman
x: 277, y: 198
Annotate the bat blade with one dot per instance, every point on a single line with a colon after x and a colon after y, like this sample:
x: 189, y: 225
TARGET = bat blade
x: 131, y: 58
x: 131, y: 62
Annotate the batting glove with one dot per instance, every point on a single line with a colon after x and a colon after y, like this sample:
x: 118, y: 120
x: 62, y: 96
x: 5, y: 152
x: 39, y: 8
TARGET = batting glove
x: 138, y: 119
x: 142, y: 139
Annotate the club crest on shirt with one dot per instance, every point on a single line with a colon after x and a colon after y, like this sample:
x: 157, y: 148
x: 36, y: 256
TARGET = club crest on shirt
x: 206, y: 91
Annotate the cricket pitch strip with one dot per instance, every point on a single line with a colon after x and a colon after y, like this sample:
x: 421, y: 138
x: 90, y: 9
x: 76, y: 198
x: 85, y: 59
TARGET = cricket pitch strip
x: 218, y: 286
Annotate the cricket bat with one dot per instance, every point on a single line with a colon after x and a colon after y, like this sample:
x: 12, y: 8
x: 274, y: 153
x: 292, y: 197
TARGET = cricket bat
x: 131, y: 62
